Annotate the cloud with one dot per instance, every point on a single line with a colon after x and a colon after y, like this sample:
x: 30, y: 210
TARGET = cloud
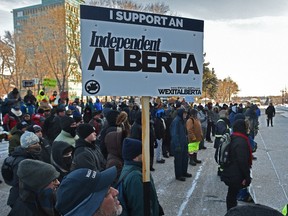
x: 227, y: 9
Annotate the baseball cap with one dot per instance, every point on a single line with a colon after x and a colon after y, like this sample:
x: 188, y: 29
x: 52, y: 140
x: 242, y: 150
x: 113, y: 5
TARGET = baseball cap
x: 82, y: 191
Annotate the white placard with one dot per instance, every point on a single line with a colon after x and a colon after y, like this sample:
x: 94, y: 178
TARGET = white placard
x: 140, y: 54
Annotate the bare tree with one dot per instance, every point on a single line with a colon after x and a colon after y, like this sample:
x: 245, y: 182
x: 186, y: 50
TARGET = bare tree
x: 227, y: 88
x: 7, y: 60
x: 53, y: 46
x: 159, y: 8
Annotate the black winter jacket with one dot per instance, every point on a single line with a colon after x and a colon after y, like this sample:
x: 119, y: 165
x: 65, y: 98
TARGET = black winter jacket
x: 88, y: 155
x: 239, y: 167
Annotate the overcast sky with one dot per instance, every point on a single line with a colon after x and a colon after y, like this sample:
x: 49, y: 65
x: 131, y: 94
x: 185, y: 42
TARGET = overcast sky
x: 244, y: 39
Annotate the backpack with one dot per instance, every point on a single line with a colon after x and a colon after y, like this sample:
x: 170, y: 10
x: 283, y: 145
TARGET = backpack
x: 121, y: 195
x: 223, y: 153
x: 7, y: 170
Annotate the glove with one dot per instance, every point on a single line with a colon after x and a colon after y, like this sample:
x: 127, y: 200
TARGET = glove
x: 246, y: 182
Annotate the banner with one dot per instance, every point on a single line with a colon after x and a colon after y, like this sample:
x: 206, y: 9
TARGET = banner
x: 140, y: 54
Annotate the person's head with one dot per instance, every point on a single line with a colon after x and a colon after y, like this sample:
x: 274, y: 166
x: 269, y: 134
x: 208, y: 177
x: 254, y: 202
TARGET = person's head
x: 193, y: 113
x: 240, y: 126
x: 54, y: 93
x: 29, y: 92
x: 47, y: 111
x: 16, y: 111
x: 78, y: 119
x: 22, y: 126
x: 26, y: 117
x: 68, y: 125
x: 97, y: 114
x: 15, y: 91
x: 37, y: 175
x: 96, y: 197
x: 223, y: 113
x: 182, y: 113
x: 30, y: 142
x: 122, y: 117
x: 60, y: 111
x: 41, y: 92
x: 132, y: 149
x: 112, y: 117
x: 36, y: 129
x: 86, y: 132
x: 160, y: 113
x: 61, y: 154
x: 200, y: 107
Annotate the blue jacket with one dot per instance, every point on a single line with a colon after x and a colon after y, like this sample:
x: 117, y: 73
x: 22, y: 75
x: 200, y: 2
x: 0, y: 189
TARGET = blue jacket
x: 179, y: 141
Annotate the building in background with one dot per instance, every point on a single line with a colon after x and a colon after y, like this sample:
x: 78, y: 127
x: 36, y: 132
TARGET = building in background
x: 47, y: 45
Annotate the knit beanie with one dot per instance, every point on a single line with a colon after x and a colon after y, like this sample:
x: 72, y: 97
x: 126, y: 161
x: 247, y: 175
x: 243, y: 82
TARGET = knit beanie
x: 239, y: 126
x: 36, y: 174
x: 84, y: 130
x: 34, y: 128
x: 131, y: 148
x: 28, y: 138
x: 21, y: 125
x: 66, y: 122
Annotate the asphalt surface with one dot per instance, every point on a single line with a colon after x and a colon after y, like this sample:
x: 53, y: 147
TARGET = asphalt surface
x: 204, y: 194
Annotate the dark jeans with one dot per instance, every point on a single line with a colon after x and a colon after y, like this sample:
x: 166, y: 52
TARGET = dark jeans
x: 269, y: 119
x: 180, y: 163
x: 210, y: 128
x: 231, y: 198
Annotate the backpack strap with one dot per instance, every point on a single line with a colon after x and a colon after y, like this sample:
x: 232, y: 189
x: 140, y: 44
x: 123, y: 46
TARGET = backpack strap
x: 124, y: 176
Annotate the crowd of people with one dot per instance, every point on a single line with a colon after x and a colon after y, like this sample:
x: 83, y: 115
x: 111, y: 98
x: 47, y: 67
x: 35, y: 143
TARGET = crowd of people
x: 59, y: 146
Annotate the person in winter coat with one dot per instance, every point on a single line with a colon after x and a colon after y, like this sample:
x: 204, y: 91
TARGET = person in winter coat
x: 202, y: 116
x: 42, y: 98
x: 132, y: 170
x: 122, y: 121
x: 252, y: 117
x: 97, y: 121
x: 87, y: 116
x: 210, y: 123
x: 16, y: 133
x: 270, y: 112
x: 236, y: 175
x: 132, y: 114
x: 45, y: 145
x: 136, y: 133
x: 195, y: 136
x: 68, y: 132
x: 87, y: 154
x: 160, y: 127
x: 29, y: 149
x: 14, y: 98
x: 37, y: 189
x: 113, y: 142
x: 222, y: 126
x: 179, y: 145
x: 52, y: 125
x: 98, y: 105
x: 61, y: 157
x: 29, y: 98
x: 111, y: 118
x: 11, y: 118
